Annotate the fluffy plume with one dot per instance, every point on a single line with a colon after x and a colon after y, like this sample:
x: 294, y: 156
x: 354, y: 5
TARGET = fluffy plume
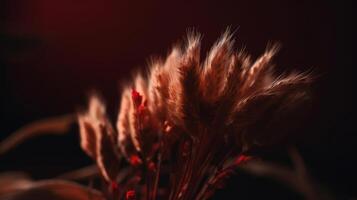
x: 98, y: 138
x: 215, y: 69
x: 124, y: 127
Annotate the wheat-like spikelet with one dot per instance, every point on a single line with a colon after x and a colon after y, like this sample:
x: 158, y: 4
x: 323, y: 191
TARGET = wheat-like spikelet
x: 98, y: 138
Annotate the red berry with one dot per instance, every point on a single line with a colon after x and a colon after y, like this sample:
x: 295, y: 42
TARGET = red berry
x: 135, y: 160
x: 130, y: 195
x: 136, y: 97
x: 114, y: 185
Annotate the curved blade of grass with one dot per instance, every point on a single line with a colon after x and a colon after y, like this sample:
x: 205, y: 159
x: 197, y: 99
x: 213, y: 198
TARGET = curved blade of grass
x: 80, y: 174
x: 55, y: 125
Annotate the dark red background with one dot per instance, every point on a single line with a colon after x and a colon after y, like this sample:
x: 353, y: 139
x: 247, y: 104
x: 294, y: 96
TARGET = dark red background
x: 54, y: 52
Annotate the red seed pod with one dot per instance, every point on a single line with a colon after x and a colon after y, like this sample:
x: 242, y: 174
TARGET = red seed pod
x: 130, y: 195
x: 136, y: 97
x: 242, y: 159
x: 135, y: 160
x: 114, y: 186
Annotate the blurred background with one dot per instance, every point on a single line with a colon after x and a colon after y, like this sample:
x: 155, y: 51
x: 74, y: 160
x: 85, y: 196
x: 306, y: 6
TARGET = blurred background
x: 52, y: 53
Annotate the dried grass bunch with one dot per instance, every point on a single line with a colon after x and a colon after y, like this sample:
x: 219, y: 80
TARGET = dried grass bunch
x: 190, y: 119
x: 186, y: 124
